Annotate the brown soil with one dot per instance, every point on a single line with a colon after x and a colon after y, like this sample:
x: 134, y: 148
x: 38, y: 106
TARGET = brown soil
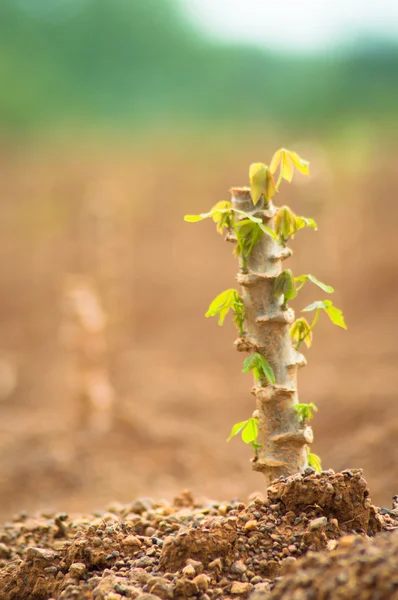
x: 313, y: 536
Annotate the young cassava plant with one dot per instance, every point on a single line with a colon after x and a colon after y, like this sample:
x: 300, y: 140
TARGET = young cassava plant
x: 279, y: 429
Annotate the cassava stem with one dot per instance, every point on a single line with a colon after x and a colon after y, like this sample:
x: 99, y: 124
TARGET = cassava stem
x: 282, y: 439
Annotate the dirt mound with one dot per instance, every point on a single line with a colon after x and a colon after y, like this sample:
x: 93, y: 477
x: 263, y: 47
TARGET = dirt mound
x: 358, y: 568
x: 189, y: 549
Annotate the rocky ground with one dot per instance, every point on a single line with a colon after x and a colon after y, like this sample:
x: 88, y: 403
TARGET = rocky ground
x: 315, y: 535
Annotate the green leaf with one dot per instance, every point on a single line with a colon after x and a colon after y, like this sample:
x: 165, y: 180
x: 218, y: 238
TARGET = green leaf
x: 257, y: 176
x: 221, y: 304
x: 305, y: 411
x: 237, y: 428
x: 261, y: 368
x: 261, y: 182
x: 334, y: 313
x: 222, y: 215
x: 287, y: 161
x: 287, y: 223
x: 314, y: 461
x: 336, y: 316
x: 229, y: 299
x: 308, y: 222
x: 300, y: 331
x: 248, y: 429
x: 284, y: 284
x: 250, y: 432
x: 304, y: 278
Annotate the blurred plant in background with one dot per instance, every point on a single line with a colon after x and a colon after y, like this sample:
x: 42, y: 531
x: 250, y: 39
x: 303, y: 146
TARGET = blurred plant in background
x: 128, y: 63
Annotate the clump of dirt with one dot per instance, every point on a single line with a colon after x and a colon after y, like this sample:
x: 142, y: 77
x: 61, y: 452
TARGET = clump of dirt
x: 204, y: 550
x: 358, y: 568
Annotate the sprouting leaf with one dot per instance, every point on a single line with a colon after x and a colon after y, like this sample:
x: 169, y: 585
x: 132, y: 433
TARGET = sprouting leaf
x: 248, y: 430
x: 257, y: 176
x: 287, y: 160
x: 221, y: 304
x: 261, y: 368
x: 237, y: 428
x: 304, y: 278
x: 284, y: 285
x: 261, y: 182
x: 334, y: 313
x: 221, y: 213
x: 300, y: 331
x: 229, y: 299
x: 247, y: 235
x: 305, y: 411
x: 314, y: 461
x: 305, y: 222
x: 287, y: 223
x: 239, y: 312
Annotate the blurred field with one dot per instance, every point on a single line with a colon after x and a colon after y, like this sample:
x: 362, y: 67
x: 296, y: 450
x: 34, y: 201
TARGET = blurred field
x: 114, y: 213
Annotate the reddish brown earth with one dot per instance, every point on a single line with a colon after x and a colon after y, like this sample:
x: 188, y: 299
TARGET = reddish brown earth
x: 117, y: 216
x: 313, y: 536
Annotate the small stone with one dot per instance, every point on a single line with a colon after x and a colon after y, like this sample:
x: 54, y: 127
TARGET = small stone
x: 331, y: 544
x: 250, y: 526
x: 141, y: 505
x: 186, y: 588
x: 51, y: 570
x: 189, y: 571
x: 241, y: 589
x: 196, y: 564
x: 289, y: 560
x: 222, y: 509
x: 140, y: 575
x: 347, y: 540
x: 77, y: 570
x: 202, y: 581
x: 292, y: 549
x: 147, y: 597
x: 160, y: 587
x: 216, y: 564
x: 150, y: 531
x: 238, y: 567
x: 40, y: 554
x: 309, y: 471
x: 319, y: 523
x: 131, y: 541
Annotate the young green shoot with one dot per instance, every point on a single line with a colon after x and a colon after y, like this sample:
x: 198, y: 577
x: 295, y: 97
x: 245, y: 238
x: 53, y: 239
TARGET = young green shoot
x: 261, y: 368
x: 248, y: 430
x: 263, y: 318
x: 314, y: 461
x: 229, y: 299
x: 305, y: 412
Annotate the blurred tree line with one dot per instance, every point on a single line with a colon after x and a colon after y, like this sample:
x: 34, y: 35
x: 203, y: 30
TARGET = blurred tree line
x: 134, y: 62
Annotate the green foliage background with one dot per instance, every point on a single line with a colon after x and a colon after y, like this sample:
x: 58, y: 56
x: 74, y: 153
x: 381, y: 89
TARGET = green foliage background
x: 129, y: 63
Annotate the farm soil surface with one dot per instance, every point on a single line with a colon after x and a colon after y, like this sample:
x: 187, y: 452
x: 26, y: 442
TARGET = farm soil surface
x: 315, y: 535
